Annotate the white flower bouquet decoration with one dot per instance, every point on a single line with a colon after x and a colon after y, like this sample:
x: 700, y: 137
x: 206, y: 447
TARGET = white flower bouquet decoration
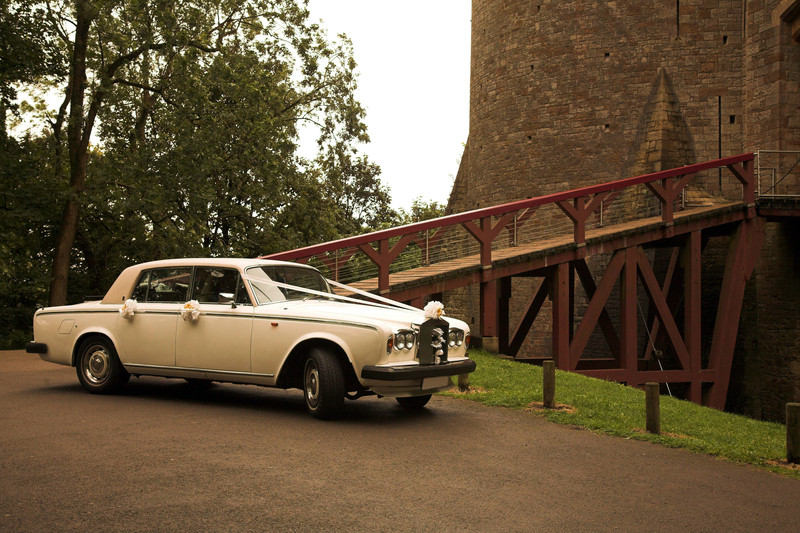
x: 129, y: 308
x: 191, y: 310
x: 434, y: 310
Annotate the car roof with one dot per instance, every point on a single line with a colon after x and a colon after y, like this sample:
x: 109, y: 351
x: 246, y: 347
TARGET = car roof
x: 122, y: 288
x: 210, y: 261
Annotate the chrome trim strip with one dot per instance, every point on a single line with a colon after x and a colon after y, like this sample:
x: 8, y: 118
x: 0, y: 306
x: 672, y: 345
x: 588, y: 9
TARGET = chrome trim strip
x: 79, y: 312
x: 316, y: 320
x: 228, y: 315
x: 230, y: 372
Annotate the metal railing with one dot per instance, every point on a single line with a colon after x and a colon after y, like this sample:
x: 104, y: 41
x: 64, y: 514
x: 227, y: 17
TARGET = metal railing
x: 480, y: 232
x: 778, y: 173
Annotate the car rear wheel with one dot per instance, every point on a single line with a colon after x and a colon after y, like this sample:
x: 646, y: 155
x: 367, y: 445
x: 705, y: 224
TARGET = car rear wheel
x: 323, y: 384
x: 98, y: 367
x: 414, y: 402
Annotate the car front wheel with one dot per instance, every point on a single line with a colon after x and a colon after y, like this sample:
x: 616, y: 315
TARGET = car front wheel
x: 98, y: 367
x: 323, y: 384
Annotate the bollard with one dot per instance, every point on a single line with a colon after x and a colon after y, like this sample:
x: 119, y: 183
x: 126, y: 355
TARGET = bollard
x: 549, y: 384
x: 463, y: 382
x: 653, y: 408
x: 793, y: 432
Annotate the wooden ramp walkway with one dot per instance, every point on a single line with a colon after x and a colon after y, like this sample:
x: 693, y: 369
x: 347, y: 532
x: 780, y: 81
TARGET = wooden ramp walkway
x: 414, y: 283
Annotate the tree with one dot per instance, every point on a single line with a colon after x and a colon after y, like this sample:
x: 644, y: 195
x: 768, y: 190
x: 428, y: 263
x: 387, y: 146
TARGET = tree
x: 27, y: 221
x: 27, y: 51
x: 421, y: 210
x: 194, y: 109
x: 361, y: 201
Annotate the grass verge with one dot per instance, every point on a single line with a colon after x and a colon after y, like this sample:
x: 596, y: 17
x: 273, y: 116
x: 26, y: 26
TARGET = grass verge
x: 618, y: 410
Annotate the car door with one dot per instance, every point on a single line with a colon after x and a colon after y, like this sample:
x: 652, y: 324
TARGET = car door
x: 148, y: 337
x: 219, y: 338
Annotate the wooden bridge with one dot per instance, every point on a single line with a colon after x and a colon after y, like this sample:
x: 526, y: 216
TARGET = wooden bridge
x: 647, y: 232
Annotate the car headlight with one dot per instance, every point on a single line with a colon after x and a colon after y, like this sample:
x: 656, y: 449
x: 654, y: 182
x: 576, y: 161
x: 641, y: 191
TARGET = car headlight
x: 455, y: 338
x: 404, y: 340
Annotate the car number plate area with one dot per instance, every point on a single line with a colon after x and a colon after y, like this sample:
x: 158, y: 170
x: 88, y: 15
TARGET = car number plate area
x: 432, y: 383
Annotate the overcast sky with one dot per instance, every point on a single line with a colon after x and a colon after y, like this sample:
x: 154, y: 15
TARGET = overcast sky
x: 413, y: 65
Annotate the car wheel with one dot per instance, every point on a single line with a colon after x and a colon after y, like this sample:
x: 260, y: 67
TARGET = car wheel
x: 98, y: 367
x: 323, y: 384
x: 414, y: 402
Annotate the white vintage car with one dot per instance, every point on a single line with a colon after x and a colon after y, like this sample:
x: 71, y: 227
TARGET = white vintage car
x: 258, y: 322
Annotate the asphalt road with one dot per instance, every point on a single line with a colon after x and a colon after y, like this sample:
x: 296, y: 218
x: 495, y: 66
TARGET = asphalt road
x: 168, y: 457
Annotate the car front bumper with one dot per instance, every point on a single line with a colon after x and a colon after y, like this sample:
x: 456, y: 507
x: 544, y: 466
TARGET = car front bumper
x: 412, y: 372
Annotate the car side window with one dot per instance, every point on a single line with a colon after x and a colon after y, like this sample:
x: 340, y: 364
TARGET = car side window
x: 242, y: 298
x: 140, y: 290
x: 218, y: 286
x: 163, y: 285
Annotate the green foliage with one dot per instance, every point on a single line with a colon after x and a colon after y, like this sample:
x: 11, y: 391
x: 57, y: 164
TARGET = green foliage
x: 188, y: 128
x: 27, y: 223
x: 421, y: 210
x: 28, y: 51
x: 618, y: 410
x: 358, y: 197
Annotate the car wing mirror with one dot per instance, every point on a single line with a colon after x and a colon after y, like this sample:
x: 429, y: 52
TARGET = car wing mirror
x: 227, y: 298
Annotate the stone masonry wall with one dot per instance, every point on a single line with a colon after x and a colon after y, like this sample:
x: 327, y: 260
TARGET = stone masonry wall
x: 565, y: 94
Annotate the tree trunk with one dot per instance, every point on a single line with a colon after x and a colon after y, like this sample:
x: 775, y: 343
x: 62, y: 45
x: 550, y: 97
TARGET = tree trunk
x: 78, y: 154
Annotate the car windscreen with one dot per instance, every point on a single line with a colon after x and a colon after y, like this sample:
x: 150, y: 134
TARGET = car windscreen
x: 303, y: 278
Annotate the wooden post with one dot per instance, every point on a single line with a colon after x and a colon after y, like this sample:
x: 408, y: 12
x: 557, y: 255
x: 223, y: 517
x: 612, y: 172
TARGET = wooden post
x: 653, y: 408
x: 463, y: 382
x: 793, y: 432
x: 549, y: 384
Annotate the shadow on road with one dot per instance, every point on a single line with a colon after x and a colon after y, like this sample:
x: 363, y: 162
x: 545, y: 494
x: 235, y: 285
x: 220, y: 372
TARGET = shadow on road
x: 369, y: 410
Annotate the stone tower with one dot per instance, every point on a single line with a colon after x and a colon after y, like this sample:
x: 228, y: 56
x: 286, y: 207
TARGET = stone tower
x: 568, y: 93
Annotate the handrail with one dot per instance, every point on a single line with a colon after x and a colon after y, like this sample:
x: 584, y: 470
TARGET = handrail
x: 577, y: 205
x: 458, y: 218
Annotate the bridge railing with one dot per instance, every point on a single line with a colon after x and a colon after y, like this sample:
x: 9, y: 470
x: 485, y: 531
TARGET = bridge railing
x: 564, y: 216
x: 778, y: 173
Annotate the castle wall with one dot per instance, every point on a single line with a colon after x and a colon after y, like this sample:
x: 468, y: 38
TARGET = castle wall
x: 565, y: 94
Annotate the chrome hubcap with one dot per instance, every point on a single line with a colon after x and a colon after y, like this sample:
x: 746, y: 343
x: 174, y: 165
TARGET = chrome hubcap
x: 97, y: 365
x: 312, y: 384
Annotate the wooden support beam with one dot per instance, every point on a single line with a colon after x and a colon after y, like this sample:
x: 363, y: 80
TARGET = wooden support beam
x: 692, y: 311
x: 606, y: 325
x: 534, y: 306
x: 571, y: 287
x: 486, y: 233
x: 595, y: 309
x: 665, y: 290
x: 579, y: 212
x: 744, y: 173
x: 561, y: 312
x: 628, y: 316
x: 742, y: 253
x: 660, y: 303
x: 503, y: 313
x: 384, y: 256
